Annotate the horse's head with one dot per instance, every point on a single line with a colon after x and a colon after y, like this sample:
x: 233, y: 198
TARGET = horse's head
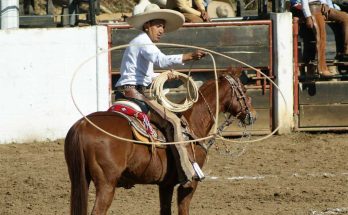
x: 236, y: 101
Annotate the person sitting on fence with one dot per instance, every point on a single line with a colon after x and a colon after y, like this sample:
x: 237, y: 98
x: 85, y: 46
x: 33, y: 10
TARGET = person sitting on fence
x: 137, y: 73
x: 194, y: 11
x: 221, y: 9
x: 140, y: 6
x: 316, y: 13
x: 296, y: 8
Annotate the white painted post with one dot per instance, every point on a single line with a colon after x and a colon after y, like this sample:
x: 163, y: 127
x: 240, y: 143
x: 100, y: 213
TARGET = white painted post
x: 102, y: 69
x: 283, y: 70
x: 9, y: 14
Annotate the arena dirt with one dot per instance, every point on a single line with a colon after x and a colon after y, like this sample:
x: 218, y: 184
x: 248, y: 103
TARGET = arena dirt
x: 296, y: 174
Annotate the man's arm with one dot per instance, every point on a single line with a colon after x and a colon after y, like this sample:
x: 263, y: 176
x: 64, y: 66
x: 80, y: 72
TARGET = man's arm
x: 185, y: 8
x: 307, y: 13
x: 330, y: 3
x: 196, y: 55
x: 200, y: 5
x: 305, y: 8
x: 204, y: 14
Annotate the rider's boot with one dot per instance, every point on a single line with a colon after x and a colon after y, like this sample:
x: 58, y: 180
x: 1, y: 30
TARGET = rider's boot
x: 186, y: 172
x: 320, y: 37
x: 191, y: 170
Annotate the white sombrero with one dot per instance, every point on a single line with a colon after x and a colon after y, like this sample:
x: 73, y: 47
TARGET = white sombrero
x: 173, y: 19
x: 221, y: 9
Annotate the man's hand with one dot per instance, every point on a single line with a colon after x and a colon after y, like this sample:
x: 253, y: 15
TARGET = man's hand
x: 298, y: 6
x: 196, y: 55
x: 310, y: 22
x: 172, y: 76
x: 325, y: 10
x: 205, y: 16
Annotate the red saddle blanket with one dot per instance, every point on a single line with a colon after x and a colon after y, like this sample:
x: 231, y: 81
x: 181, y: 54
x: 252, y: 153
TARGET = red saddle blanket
x: 134, y: 113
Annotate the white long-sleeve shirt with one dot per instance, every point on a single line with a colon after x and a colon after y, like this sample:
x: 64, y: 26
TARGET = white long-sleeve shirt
x: 139, y: 59
x: 305, y: 6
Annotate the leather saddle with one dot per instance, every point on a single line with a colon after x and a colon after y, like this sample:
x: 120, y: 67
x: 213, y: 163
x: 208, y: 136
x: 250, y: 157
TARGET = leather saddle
x: 140, y: 124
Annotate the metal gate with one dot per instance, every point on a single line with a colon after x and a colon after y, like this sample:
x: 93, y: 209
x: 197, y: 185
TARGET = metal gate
x: 320, y: 103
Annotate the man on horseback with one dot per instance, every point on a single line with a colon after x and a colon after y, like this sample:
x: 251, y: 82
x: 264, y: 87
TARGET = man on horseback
x: 137, y: 73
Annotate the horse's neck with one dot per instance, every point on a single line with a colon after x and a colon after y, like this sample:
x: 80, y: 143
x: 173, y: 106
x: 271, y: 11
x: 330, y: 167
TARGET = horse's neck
x: 201, y: 117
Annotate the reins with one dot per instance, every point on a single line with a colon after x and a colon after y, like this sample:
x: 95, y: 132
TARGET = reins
x: 235, y: 90
x: 208, y: 106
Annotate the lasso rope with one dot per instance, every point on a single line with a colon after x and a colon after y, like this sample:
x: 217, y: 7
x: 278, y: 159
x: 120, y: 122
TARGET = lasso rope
x: 214, y: 134
x: 157, y: 91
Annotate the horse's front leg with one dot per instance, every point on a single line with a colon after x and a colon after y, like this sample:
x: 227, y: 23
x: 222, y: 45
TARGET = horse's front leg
x: 184, y: 198
x: 166, y: 195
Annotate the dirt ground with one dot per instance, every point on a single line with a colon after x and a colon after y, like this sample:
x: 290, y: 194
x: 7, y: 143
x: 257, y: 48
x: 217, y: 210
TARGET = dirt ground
x: 296, y: 174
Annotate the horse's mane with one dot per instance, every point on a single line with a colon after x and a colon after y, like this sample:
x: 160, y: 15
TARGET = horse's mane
x: 207, y: 85
x: 232, y: 71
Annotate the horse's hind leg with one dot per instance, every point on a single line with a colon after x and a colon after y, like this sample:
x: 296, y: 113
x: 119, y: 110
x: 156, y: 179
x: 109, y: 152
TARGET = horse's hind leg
x: 104, y: 196
x: 105, y: 189
x: 166, y: 194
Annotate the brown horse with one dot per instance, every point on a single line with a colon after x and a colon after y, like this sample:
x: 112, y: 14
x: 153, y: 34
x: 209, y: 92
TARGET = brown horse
x: 93, y: 155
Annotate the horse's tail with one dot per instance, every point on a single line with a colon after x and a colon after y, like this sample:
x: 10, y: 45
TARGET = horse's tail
x: 76, y: 166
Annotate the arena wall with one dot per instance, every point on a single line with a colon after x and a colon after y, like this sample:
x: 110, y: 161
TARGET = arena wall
x: 37, y: 66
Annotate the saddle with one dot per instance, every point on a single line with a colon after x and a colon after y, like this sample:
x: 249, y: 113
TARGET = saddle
x: 140, y: 124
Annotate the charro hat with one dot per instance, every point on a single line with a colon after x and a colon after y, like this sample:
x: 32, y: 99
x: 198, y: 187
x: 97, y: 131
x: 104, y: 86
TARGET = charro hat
x: 173, y: 19
x: 221, y: 9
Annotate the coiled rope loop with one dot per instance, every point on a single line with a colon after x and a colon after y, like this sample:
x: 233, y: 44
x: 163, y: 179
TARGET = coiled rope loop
x: 158, y: 92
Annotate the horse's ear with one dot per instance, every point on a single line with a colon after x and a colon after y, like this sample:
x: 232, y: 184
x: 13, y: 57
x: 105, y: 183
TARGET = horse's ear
x: 234, y: 71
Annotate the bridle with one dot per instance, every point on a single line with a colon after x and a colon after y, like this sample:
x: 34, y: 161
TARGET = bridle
x: 237, y: 90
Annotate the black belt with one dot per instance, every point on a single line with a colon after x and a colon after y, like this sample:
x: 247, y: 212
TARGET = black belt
x: 315, y: 3
x: 140, y: 88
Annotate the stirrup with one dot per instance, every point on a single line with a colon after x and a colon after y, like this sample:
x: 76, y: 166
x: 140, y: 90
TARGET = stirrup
x: 199, y: 172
